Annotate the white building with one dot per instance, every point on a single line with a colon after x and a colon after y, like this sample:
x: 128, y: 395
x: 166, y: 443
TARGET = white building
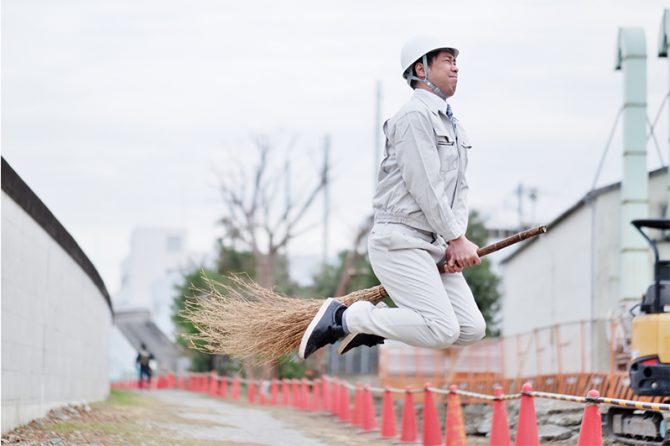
x: 156, y: 263
x: 561, y: 302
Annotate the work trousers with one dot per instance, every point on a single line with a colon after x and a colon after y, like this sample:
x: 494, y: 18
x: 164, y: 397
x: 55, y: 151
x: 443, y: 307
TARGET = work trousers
x: 433, y: 310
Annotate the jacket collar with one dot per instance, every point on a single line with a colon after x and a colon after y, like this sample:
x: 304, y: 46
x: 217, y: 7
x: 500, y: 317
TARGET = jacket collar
x: 434, y: 103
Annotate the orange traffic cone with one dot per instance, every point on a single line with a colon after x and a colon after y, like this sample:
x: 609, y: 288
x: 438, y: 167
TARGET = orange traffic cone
x: 295, y: 394
x: 455, y: 428
x: 499, y: 426
x: 285, y: 392
x: 236, y: 389
x: 357, y: 417
x: 345, y: 412
x: 213, y: 384
x: 369, y: 413
x: 223, y: 390
x: 326, y: 394
x: 526, y: 429
x: 335, y: 398
x: 388, y: 416
x: 274, y: 397
x: 251, y: 391
x: 408, y: 433
x: 591, y: 432
x: 431, y: 424
x: 315, y: 402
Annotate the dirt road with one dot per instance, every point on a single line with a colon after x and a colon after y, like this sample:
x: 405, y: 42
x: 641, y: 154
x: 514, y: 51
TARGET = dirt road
x: 172, y: 417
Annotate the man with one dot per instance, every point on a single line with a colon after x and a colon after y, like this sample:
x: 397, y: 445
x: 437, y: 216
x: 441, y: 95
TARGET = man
x: 143, y: 361
x: 421, y: 217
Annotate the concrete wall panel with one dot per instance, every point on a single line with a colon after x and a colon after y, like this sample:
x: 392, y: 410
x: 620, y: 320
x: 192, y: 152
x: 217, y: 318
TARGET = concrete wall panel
x: 56, y: 323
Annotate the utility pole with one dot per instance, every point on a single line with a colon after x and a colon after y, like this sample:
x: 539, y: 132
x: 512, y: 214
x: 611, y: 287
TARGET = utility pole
x: 519, y: 208
x: 376, y: 151
x: 326, y: 197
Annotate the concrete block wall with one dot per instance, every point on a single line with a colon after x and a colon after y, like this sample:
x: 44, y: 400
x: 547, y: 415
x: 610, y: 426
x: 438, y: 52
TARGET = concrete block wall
x: 56, y: 324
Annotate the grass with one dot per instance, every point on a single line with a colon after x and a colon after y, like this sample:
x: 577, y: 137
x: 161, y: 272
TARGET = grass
x: 125, y: 417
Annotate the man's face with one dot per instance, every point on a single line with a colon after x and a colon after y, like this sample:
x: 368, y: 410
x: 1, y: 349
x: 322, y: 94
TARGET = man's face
x: 442, y: 72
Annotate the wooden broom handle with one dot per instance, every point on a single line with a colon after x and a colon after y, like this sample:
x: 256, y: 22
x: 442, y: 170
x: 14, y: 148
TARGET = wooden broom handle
x: 493, y: 247
x: 512, y: 239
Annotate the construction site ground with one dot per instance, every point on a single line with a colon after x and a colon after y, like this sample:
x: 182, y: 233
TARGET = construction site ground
x: 172, y: 417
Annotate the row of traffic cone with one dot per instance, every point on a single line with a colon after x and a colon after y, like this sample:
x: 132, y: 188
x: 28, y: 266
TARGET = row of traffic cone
x: 333, y: 396
x: 590, y: 431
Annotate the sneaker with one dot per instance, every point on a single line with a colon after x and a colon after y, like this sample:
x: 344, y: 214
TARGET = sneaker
x: 354, y: 340
x: 325, y: 328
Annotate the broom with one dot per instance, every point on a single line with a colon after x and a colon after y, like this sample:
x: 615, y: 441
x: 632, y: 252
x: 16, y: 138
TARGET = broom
x: 249, y: 322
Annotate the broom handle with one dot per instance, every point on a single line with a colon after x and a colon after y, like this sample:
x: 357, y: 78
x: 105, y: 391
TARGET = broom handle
x: 379, y: 293
x: 493, y: 247
x: 512, y: 239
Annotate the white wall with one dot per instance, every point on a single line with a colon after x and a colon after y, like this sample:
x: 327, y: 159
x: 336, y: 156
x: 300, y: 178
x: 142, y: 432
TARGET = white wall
x: 55, y: 324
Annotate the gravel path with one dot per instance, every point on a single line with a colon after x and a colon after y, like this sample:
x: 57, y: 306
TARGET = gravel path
x: 180, y: 418
x: 229, y: 421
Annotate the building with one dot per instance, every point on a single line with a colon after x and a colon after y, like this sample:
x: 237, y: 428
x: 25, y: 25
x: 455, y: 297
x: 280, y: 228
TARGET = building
x: 561, y: 308
x: 158, y: 257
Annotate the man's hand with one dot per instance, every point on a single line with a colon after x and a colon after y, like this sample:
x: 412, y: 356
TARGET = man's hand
x: 461, y: 253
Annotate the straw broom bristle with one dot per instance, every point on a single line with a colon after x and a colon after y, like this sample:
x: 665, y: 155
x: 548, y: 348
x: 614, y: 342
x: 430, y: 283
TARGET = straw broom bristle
x: 247, y: 321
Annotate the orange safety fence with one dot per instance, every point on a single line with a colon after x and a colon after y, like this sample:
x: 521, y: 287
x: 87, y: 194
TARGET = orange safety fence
x: 333, y: 396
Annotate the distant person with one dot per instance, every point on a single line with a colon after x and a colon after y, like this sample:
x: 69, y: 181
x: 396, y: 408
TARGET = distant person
x: 143, y: 360
x: 420, y: 219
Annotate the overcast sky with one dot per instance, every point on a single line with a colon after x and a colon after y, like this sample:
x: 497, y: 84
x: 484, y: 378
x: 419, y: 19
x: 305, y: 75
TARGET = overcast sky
x: 122, y: 113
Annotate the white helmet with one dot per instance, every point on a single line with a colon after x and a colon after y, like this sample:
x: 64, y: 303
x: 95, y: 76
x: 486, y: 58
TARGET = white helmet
x: 417, y: 48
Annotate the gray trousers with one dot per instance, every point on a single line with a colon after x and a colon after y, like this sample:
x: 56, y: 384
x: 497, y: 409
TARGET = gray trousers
x: 434, y: 310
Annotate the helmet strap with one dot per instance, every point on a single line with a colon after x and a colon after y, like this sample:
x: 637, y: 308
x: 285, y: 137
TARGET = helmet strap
x: 425, y: 80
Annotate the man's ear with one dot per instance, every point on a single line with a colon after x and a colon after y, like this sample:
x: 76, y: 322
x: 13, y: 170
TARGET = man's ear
x: 418, y: 69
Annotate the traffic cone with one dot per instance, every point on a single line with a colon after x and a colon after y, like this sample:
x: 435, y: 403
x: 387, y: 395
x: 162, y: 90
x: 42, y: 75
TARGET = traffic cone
x: 345, y: 411
x: 285, y: 392
x: 213, y: 385
x: 262, y: 400
x: 408, y: 433
x: 388, y: 416
x: 295, y: 394
x: 455, y: 428
x: 223, y: 390
x: 590, y: 432
x: 274, y: 397
x: 335, y: 398
x: 304, y: 395
x: 251, y: 391
x: 369, y: 413
x: 431, y: 424
x: 499, y: 426
x: 357, y: 418
x: 325, y: 392
x: 315, y: 402
x: 526, y: 429
x: 236, y: 389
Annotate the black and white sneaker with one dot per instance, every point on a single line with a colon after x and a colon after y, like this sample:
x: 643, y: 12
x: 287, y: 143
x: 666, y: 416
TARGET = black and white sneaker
x: 325, y: 328
x: 354, y: 340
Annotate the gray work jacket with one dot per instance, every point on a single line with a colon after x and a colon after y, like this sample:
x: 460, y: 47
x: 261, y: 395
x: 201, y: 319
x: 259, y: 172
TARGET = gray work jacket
x: 421, y: 180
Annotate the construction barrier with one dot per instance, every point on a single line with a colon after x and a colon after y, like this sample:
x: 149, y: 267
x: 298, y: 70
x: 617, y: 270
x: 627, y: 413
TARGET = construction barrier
x: 333, y: 396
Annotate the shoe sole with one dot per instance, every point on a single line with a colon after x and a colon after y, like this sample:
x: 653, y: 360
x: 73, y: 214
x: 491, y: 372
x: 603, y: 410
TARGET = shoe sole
x: 340, y: 348
x: 311, y: 326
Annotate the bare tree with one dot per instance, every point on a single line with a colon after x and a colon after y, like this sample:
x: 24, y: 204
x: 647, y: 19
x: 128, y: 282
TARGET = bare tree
x: 262, y: 213
x: 356, y: 253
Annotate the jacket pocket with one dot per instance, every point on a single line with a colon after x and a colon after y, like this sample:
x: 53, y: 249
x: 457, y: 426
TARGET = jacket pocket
x: 447, y: 151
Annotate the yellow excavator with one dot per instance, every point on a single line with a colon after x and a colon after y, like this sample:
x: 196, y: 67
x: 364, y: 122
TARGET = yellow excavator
x: 650, y: 365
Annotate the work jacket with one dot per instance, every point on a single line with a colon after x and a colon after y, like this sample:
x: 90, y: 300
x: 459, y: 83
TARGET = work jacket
x: 421, y: 180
